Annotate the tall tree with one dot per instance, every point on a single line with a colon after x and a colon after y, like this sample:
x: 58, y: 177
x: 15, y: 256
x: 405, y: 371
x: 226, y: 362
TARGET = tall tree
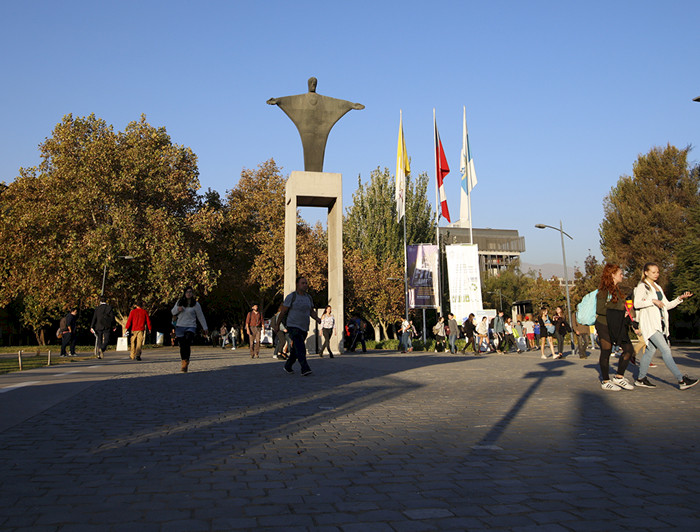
x: 508, y: 286
x: 97, y: 196
x: 252, y: 238
x: 375, y: 241
x: 586, y: 281
x: 687, y: 272
x: 370, y: 223
x: 646, y: 215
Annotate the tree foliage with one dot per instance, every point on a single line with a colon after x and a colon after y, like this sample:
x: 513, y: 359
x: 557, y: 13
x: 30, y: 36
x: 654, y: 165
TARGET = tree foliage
x: 373, y: 240
x: 250, y: 245
x: 97, y: 196
x: 508, y: 286
x: 373, y: 289
x: 687, y: 272
x: 646, y: 215
x: 370, y: 223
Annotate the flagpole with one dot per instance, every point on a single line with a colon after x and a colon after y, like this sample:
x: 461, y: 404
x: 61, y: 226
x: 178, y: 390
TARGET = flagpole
x: 405, y: 257
x: 469, y: 192
x: 438, y: 298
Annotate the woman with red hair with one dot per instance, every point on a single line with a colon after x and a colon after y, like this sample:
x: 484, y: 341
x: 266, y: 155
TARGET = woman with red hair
x: 612, y: 328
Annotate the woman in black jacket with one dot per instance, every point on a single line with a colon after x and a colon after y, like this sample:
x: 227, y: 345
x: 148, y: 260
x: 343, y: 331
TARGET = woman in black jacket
x: 561, y: 329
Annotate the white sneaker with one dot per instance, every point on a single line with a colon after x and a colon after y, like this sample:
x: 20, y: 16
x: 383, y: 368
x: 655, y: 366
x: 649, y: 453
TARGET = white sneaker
x: 622, y: 382
x: 233, y: 349
x: 543, y: 356
x: 608, y: 385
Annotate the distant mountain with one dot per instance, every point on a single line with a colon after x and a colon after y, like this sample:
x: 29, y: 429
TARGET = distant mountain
x: 547, y: 270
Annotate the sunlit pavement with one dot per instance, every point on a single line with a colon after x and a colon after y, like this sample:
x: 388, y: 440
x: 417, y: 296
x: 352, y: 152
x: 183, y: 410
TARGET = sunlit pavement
x: 376, y: 441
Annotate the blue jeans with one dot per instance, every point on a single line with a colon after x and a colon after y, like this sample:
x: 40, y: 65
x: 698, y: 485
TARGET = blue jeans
x: 453, y: 344
x: 658, y: 341
x: 298, y: 350
x: 404, y: 344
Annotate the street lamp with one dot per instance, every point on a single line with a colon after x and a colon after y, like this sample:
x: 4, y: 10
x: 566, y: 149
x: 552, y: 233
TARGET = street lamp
x: 500, y: 298
x: 104, y: 277
x: 563, y: 254
x: 104, y: 271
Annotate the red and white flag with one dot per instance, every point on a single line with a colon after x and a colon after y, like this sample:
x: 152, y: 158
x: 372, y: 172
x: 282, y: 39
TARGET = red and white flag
x: 441, y: 170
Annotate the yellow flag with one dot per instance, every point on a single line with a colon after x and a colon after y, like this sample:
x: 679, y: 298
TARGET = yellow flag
x: 402, y: 169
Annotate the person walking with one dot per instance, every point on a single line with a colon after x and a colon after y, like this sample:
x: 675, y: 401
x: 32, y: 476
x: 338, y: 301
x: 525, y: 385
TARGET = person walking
x: 254, y: 328
x: 223, y: 335
x: 509, y: 338
x: 546, y: 331
x: 298, y: 307
x: 529, y: 330
x: 439, y: 332
x: 404, y: 335
x: 454, y: 332
x: 612, y: 328
x: 327, y: 329
x: 139, y: 323
x: 561, y: 329
x: 582, y: 334
x: 279, y: 329
x: 102, y: 323
x: 188, y: 312
x: 652, y: 314
x: 470, y: 334
x: 68, y: 328
x: 499, y: 331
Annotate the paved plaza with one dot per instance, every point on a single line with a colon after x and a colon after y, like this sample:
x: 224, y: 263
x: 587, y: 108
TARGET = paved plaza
x: 370, y: 442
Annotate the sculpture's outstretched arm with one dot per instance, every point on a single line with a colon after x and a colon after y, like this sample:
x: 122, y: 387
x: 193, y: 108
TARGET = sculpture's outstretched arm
x: 357, y: 106
x: 273, y: 101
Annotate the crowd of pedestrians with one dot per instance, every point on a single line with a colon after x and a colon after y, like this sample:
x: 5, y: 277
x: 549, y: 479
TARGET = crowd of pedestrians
x: 644, y: 312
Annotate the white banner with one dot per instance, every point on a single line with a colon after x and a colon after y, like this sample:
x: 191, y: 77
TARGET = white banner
x: 464, y: 280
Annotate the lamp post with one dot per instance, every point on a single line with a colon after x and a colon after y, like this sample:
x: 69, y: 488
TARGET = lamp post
x: 104, y: 271
x: 563, y: 254
x: 500, y: 298
x: 104, y: 277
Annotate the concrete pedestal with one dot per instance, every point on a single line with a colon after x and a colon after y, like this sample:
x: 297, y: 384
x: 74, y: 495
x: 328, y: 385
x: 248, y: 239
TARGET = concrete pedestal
x: 317, y: 189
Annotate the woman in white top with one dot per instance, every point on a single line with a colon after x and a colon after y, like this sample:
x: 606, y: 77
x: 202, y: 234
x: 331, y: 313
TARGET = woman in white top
x: 652, y: 313
x: 327, y: 328
x: 187, y: 311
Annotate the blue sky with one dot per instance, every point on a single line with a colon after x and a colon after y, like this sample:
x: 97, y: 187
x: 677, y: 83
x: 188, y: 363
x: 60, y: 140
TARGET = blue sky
x: 561, y: 96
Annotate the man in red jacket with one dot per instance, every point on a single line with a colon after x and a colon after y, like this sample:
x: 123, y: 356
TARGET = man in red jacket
x: 139, y: 323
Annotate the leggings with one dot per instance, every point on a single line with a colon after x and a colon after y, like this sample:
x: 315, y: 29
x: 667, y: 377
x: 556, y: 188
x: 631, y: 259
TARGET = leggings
x: 606, y: 349
x: 327, y: 333
x: 471, y: 340
x: 185, y: 343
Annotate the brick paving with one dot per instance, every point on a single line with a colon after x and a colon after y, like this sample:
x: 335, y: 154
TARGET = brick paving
x: 370, y: 442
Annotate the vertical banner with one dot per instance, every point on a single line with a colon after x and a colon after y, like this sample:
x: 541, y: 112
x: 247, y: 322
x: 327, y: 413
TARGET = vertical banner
x: 422, y: 272
x: 464, y: 280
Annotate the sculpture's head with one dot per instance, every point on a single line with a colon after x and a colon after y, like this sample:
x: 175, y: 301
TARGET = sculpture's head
x: 312, y: 84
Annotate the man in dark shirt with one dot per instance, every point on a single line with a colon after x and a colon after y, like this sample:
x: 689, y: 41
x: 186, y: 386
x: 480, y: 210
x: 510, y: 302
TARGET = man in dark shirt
x: 69, y: 333
x: 102, y: 322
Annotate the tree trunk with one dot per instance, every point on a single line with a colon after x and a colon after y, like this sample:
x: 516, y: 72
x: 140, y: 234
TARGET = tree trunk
x: 40, y: 336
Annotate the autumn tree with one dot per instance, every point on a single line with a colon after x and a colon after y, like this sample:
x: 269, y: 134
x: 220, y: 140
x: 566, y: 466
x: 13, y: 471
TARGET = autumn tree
x: 373, y: 289
x: 646, y: 214
x: 250, y: 245
x: 546, y: 293
x: 97, y: 196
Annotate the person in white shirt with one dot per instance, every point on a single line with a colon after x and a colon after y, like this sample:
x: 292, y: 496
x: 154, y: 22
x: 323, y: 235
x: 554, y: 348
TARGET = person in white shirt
x: 652, y: 313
